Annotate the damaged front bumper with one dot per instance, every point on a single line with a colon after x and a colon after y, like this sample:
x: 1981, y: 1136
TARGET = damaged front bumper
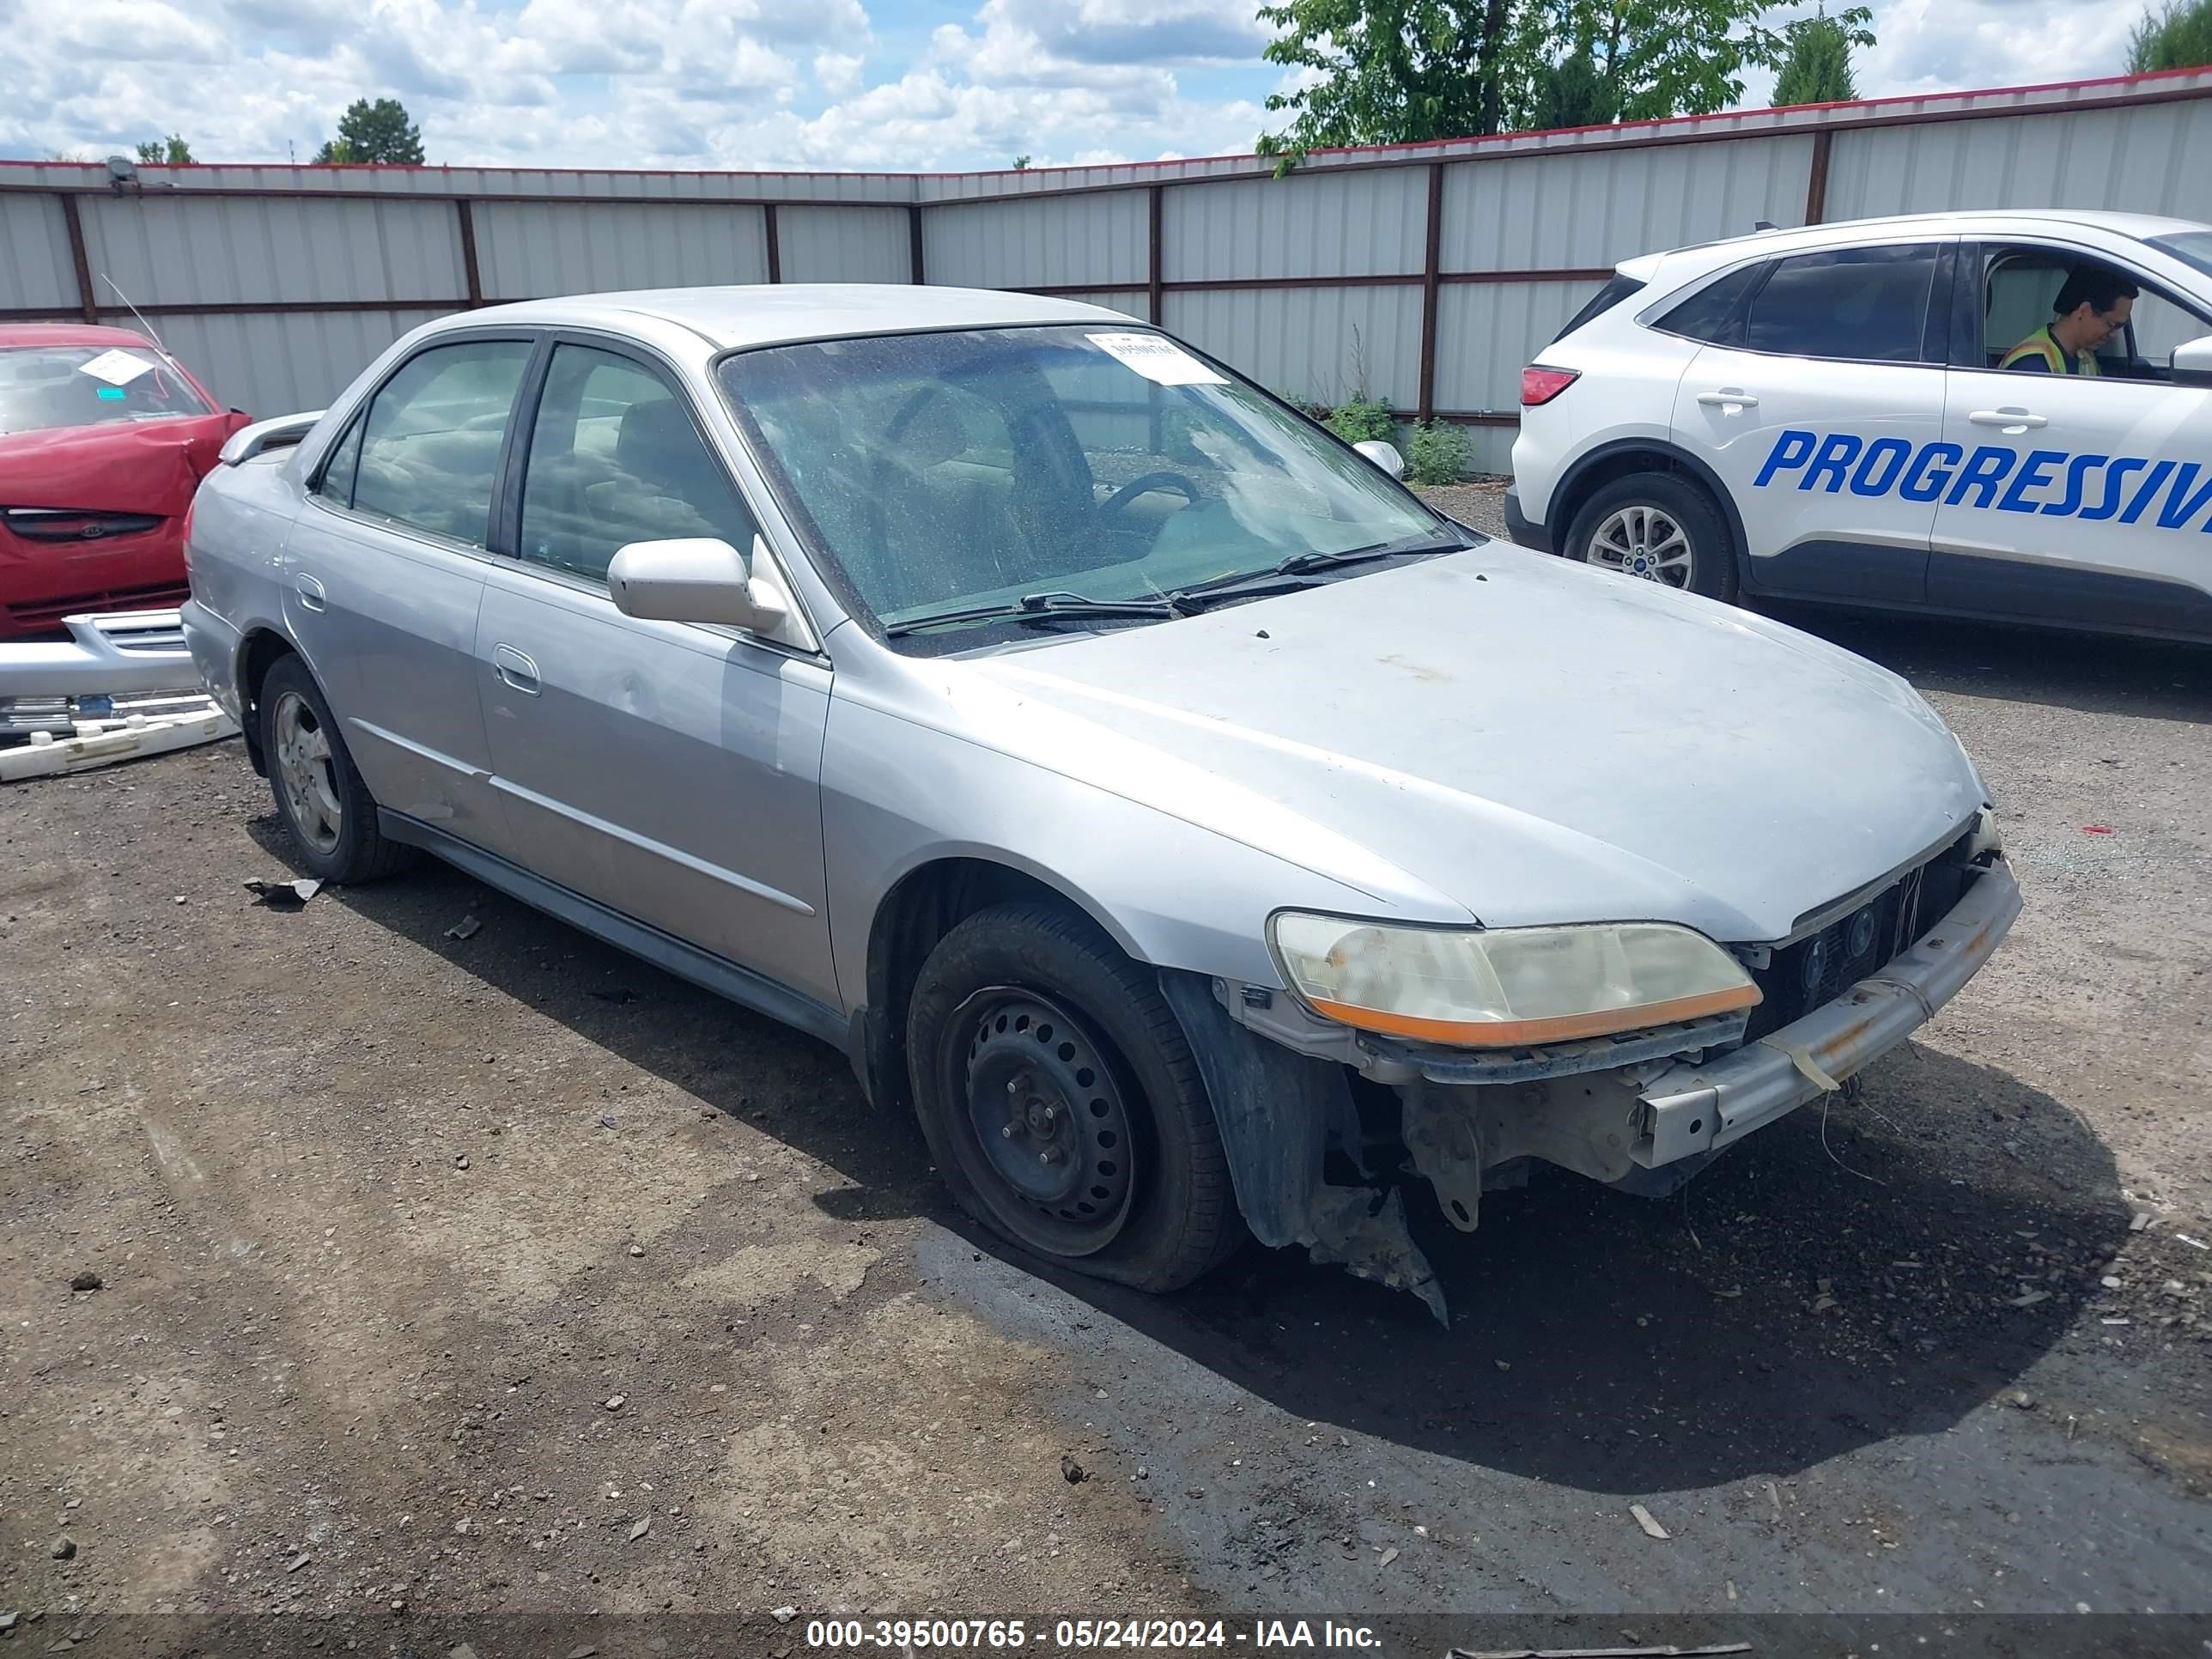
x: 115, y: 651
x: 1697, y: 1109
x: 1643, y: 1111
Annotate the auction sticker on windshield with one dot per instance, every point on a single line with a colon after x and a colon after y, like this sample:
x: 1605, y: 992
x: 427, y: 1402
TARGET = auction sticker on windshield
x: 116, y: 367
x: 1158, y: 358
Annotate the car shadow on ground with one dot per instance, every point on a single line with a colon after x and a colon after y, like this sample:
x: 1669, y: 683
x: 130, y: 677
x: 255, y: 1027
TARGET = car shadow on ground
x: 1829, y: 1283
x: 2091, y: 673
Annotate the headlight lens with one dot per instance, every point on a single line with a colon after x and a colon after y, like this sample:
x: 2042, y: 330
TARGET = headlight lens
x: 1505, y: 987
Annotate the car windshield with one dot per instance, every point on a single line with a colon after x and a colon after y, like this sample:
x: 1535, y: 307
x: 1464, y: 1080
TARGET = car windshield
x: 960, y: 471
x: 2193, y: 247
x: 46, y: 386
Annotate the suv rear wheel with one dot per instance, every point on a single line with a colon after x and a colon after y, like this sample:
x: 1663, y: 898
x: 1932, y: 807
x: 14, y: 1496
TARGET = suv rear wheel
x: 1660, y: 527
x: 1061, y: 1103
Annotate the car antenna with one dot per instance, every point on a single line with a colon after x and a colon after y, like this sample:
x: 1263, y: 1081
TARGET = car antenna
x: 140, y: 316
x: 1757, y: 224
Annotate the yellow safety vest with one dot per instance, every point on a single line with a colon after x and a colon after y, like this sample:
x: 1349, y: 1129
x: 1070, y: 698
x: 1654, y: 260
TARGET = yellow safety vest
x: 2042, y: 344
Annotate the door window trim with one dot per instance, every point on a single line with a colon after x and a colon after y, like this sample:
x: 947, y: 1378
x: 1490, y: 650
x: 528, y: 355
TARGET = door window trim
x: 507, y: 486
x: 532, y: 337
x: 1970, y: 350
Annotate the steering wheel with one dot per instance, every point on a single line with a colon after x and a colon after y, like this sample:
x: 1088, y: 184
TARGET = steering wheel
x: 1143, y: 486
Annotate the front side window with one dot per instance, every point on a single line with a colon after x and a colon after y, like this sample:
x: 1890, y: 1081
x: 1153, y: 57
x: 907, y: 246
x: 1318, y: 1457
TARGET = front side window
x: 42, y: 387
x: 960, y: 470
x: 614, y: 458
x: 2023, y: 284
x: 430, y: 446
x: 1855, y: 304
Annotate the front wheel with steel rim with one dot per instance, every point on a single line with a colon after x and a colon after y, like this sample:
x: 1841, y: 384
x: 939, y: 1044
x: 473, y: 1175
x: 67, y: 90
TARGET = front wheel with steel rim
x: 1658, y: 527
x: 1060, y: 1101
x: 324, y: 803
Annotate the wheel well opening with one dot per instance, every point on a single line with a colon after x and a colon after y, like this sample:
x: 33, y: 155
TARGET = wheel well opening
x: 264, y: 648
x: 926, y: 904
x: 1626, y: 463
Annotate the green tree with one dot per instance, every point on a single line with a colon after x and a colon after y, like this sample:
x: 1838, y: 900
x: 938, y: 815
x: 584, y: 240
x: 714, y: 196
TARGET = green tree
x: 1392, y: 71
x: 1021, y: 164
x: 375, y: 132
x: 1817, y: 67
x: 1400, y: 71
x: 1572, y: 93
x: 172, y: 150
x: 2179, y: 37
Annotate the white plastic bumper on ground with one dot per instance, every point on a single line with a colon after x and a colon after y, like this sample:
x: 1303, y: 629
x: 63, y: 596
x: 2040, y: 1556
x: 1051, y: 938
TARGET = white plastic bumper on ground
x: 1699, y: 1108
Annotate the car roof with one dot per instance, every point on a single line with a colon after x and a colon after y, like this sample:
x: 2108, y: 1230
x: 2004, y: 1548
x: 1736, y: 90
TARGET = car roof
x: 765, y: 314
x: 2135, y: 227
x: 67, y: 334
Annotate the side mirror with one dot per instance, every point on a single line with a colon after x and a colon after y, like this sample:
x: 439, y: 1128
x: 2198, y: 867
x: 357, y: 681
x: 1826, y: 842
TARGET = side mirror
x: 2192, y: 362
x: 1385, y: 456
x: 694, y: 580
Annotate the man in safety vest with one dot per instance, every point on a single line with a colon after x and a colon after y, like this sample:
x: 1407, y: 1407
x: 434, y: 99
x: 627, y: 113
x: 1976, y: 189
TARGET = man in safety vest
x: 2091, y: 307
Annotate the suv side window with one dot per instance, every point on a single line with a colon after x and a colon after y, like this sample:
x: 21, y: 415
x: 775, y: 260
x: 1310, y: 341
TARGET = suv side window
x: 2020, y: 283
x: 614, y: 458
x: 1857, y: 304
x: 430, y: 446
x: 1715, y: 313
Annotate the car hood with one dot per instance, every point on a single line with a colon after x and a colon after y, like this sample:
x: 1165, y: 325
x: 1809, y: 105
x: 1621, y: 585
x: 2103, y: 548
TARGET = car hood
x: 139, y: 466
x: 1535, y: 740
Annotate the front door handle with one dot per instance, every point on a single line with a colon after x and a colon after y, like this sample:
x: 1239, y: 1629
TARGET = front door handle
x: 310, y: 590
x: 1728, y: 397
x: 2011, y: 419
x: 516, y: 670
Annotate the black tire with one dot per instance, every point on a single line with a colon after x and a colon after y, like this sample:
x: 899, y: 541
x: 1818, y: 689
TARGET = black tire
x: 1679, y: 502
x: 1131, y: 1184
x: 290, y: 705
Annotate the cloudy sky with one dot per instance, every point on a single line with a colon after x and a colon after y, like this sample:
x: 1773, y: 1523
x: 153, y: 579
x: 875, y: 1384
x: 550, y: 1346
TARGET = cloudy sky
x: 896, y: 84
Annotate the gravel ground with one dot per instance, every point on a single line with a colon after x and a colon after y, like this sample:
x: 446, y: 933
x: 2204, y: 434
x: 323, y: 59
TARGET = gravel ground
x: 441, y: 1278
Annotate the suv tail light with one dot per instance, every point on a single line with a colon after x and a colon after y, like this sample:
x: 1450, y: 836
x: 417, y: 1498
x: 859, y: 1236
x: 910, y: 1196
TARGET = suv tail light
x: 1540, y: 384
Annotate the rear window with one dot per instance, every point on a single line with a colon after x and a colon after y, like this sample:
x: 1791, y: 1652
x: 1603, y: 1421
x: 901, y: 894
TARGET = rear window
x: 42, y: 387
x: 1600, y: 302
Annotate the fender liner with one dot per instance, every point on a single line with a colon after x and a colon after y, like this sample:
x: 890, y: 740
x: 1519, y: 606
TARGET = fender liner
x: 1278, y: 1113
x: 1576, y: 484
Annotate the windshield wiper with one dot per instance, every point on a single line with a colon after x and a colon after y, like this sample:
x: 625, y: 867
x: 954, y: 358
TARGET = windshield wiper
x: 1307, y: 564
x: 1033, y: 608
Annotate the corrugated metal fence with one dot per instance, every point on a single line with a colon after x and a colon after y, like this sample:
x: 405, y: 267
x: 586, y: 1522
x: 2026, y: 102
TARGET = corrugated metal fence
x: 1424, y: 273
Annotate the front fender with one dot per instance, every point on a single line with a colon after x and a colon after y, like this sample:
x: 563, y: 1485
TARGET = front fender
x: 897, y: 796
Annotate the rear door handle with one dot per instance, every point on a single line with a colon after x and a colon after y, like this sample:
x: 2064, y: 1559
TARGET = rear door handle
x: 2011, y: 419
x: 515, y: 669
x: 310, y: 590
x: 1728, y: 397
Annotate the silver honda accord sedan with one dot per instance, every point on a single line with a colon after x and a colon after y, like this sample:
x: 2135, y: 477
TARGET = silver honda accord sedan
x: 1200, y: 835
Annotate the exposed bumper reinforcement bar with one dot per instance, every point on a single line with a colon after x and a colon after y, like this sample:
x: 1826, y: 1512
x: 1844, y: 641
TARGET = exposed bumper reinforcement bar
x: 1701, y: 1108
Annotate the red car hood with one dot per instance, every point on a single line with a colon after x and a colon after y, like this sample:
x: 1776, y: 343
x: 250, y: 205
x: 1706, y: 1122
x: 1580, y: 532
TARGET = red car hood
x: 141, y: 466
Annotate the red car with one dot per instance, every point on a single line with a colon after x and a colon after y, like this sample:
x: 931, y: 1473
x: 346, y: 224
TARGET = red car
x: 103, y: 437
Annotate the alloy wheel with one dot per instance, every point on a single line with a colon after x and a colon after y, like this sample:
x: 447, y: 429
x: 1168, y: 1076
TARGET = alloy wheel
x: 1644, y: 541
x: 305, y: 771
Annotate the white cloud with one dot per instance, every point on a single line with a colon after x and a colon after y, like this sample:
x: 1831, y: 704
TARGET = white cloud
x: 839, y: 73
x: 773, y: 83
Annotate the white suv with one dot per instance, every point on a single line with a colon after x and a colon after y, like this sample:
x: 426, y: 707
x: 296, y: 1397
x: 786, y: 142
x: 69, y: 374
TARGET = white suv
x: 1818, y: 414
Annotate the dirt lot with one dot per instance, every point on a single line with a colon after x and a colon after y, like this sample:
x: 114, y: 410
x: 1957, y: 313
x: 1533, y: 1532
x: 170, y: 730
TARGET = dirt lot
x: 435, y: 1270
